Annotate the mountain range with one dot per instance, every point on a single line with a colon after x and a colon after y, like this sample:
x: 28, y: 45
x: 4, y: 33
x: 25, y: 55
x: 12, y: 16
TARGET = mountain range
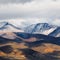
x: 39, y: 28
x: 37, y: 41
x: 44, y: 28
x: 30, y: 47
x: 8, y: 27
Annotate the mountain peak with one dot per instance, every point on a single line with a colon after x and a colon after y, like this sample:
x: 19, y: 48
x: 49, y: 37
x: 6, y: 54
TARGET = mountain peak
x: 6, y: 26
x: 42, y: 24
x: 40, y: 28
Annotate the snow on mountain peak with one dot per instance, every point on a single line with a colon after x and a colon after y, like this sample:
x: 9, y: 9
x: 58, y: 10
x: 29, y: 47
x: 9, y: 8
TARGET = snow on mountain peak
x: 39, y: 28
x: 8, y: 27
x: 42, y: 28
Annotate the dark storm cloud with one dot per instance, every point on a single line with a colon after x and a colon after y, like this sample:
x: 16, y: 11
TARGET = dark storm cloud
x: 14, y: 1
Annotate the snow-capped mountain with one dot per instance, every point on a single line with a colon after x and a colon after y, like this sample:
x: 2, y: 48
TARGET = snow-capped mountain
x: 55, y: 33
x: 7, y: 27
x: 43, y: 28
x: 7, y: 30
x: 40, y: 28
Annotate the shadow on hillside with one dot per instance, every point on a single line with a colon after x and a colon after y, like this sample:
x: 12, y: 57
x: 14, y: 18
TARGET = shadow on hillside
x: 34, y: 55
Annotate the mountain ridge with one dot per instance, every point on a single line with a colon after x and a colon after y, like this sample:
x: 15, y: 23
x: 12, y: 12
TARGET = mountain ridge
x: 9, y: 27
x: 39, y: 28
x: 42, y: 28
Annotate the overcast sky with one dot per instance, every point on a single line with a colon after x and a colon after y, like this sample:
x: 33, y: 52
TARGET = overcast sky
x: 32, y: 11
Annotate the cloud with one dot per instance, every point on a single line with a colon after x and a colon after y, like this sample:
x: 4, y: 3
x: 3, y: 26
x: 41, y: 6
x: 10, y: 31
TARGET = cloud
x: 13, y: 1
x: 56, y: 22
x: 32, y: 11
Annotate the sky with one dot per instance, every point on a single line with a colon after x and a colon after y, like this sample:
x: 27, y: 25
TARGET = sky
x: 30, y: 11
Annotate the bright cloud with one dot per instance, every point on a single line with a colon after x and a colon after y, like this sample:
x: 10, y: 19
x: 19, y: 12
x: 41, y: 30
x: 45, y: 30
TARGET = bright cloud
x: 31, y: 10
